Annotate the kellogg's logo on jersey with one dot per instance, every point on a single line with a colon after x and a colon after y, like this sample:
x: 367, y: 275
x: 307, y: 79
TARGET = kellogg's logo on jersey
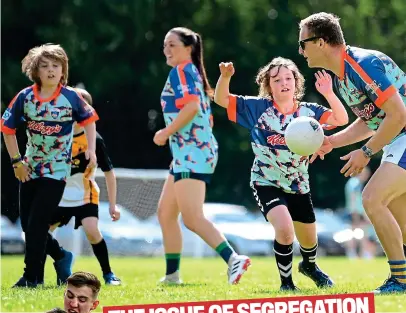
x: 44, y: 130
x: 276, y: 140
x: 366, y: 112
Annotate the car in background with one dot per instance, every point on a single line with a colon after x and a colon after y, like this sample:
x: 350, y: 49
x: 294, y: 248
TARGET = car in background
x: 333, y: 233
x: 243, y: 231
x: 12, y: 237
x: 125, y: 237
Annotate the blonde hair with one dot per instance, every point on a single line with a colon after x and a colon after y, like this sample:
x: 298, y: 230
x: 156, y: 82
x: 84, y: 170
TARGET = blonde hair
x: 264, y: 76
x: 30, y: 64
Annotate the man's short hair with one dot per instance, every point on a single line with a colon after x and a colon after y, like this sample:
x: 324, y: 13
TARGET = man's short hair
x: 81, y: 279
x: 326, y: 26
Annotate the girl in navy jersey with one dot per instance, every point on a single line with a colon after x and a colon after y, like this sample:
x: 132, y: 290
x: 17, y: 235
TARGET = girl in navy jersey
x: 279, y: 178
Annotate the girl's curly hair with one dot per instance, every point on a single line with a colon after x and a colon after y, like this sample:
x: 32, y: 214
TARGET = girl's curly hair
x: 264, y: 76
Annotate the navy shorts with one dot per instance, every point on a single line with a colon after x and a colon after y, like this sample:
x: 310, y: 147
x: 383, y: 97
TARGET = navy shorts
x: 300, y: 206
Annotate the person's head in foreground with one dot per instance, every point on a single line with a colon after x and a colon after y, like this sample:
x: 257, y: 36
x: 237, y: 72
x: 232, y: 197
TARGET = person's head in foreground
x: 81, y: 293
x: 56, y: 310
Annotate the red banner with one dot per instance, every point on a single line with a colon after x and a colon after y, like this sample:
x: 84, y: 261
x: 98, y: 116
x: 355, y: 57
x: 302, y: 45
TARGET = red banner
x: 347, y: 303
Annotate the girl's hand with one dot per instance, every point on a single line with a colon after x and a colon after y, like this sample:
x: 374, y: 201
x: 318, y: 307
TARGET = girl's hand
x: 324, y: 83
x: 227, y: 69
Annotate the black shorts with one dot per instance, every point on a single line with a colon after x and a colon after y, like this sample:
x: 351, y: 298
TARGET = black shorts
x: 185, y: 175
x: 300, y: 206
x: 64, y: 214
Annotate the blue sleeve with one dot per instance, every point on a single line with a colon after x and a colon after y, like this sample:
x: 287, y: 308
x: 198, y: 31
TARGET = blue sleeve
x: 82, y: 112
x: 321, y: 113
x: 184, y: 86
x: 14, y: 115
x: 370, y: 77
x: 245, y: 110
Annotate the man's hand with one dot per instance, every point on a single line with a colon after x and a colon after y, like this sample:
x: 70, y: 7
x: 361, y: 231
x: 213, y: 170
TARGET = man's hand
x: 325, y: 148
x: 356, y: 163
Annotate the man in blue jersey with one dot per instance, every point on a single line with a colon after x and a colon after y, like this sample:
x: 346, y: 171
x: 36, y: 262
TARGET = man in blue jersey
x: 374, y: 87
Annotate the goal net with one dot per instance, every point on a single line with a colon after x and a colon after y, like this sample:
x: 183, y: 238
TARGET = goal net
x: 137, y: 190
x: 138, y: 193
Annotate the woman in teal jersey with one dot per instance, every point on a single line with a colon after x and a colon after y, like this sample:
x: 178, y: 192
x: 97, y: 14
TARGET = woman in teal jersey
x: 185, y: 102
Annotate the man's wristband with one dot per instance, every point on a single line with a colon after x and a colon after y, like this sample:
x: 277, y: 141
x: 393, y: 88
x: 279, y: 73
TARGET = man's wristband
x: 367, y: 152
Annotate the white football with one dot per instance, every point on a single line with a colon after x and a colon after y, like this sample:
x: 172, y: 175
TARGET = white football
x: 304, y: 135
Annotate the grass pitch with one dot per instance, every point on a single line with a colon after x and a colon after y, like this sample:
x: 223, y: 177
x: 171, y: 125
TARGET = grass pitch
x: 204, y: 279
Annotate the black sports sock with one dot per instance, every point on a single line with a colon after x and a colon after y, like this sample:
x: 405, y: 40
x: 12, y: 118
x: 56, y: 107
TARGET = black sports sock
x: 53, y: 248
x: 284, y: 260
x: 172, y: 262
x: 102, y: 255
x: 309, y: 256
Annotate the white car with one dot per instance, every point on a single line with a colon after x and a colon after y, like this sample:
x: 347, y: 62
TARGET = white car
x: 12, y: 237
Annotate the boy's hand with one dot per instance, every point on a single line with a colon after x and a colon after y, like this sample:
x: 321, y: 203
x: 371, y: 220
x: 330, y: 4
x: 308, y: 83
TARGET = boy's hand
x: 91, y: 156
x: 22, y: 171
x: 114, y: 213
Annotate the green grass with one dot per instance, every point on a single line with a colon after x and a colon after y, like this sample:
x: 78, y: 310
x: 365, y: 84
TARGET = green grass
x: 205, y: 279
